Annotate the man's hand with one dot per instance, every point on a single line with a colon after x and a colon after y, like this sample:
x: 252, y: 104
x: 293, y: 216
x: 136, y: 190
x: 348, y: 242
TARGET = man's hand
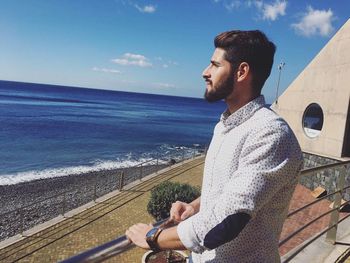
x: 137, y: 234
x: 180, y: 211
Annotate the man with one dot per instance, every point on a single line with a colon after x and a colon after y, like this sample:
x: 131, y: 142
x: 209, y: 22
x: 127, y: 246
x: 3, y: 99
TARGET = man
x: 251, y: 168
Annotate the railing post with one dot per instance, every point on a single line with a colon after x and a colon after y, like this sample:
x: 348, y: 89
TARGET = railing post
x: 332, y: 233
x: 194, y: 153
x: 64, y: 204
x: 121, y: 180
x: 95, y: 191
x: 141, y: 171
x: 117, y: 182
x: 21, y: 218
x: 183, y: 155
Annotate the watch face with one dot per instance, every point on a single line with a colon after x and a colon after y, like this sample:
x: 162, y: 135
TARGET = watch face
x: 152, y: 232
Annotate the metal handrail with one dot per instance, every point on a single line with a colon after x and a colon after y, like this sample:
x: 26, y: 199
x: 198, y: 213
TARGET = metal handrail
x: 316, y: 201
x: 334, y: 220
x: 105, y: 251
x: 304, y: 245
x: 323, y: 167
x: 311, y: 222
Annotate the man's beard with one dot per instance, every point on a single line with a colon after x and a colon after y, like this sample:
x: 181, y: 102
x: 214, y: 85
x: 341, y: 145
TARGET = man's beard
x: 220, y: 91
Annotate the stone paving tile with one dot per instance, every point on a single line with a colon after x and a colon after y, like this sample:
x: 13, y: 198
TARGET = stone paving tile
x: 9, y: 251
x: 39, y: 240
x: 109, y: 206
x: 60, y: 229
x: 21, y: 255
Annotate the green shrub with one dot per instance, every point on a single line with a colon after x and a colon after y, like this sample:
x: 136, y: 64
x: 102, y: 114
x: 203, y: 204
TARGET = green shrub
x: 166, y: 193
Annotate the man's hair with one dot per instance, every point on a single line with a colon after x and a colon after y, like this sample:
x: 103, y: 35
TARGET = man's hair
x: 252, y: 47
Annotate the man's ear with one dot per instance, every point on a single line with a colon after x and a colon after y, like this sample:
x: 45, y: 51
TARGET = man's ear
x: 242, y: 71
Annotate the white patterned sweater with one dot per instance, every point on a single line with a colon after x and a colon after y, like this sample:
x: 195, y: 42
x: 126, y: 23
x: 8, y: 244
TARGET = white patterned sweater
x: 252, y: 167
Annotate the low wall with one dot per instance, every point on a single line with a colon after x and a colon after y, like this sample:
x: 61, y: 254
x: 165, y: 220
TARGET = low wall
x: 326, y: 178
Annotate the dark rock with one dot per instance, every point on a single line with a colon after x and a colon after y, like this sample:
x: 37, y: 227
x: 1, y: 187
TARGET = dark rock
x: 172, y: 161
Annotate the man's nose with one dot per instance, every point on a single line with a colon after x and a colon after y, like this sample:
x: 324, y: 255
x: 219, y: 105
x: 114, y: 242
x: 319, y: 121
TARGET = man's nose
x: 206, y: 73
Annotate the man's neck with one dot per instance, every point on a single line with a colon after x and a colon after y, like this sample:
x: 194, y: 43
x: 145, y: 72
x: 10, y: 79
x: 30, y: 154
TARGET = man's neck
x: 235, y: 104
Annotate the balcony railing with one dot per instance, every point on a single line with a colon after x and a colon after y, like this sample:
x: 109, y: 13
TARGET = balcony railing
x: 331, y: 230
x: 121, y: 244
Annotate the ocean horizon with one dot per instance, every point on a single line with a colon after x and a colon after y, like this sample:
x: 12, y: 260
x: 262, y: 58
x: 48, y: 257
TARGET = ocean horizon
x: 51, y: 130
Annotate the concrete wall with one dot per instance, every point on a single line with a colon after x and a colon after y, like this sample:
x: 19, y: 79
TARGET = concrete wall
x: 325, y: 81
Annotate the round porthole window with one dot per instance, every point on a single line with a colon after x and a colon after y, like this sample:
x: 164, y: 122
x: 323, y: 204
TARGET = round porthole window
x: 313, y: 120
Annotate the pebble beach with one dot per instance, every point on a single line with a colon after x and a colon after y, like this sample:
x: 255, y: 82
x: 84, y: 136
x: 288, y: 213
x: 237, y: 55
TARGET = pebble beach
x: 25, y: 205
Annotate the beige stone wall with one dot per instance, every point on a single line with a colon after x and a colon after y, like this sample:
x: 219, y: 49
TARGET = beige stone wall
x: 325, y: 81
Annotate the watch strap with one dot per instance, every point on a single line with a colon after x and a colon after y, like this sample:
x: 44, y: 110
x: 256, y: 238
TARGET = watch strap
x: 152, y: 240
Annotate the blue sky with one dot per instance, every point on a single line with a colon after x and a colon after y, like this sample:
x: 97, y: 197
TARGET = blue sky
x: 157, y: 47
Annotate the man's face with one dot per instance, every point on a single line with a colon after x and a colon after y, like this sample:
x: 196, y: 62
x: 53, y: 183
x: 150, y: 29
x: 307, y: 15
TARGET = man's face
x: 219, y: 77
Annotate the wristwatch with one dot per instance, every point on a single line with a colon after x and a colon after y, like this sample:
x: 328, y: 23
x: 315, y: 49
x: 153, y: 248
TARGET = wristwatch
x: 152, y: 236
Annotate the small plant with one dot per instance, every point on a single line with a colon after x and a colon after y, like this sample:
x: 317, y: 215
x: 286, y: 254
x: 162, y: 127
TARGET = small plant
x: 167, y: 193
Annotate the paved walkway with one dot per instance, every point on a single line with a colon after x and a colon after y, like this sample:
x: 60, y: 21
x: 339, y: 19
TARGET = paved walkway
x: 109, y: 219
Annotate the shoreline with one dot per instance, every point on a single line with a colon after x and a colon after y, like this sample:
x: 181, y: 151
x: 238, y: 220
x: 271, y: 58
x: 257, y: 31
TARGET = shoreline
x: 47, y: 196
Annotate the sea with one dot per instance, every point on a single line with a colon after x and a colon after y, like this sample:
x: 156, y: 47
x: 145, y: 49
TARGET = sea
x: 49, y: 130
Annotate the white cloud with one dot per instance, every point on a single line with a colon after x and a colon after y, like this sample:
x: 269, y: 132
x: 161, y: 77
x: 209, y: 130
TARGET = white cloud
x: 146, y: 9
x: 132, y: 59
x: 173, y: 63
x: 267, y: 11
x: 107, y: 70
x: 272, y: 11
x: 165, y: 63
x: 134, y: 56
x: 315, y: 22
x: 164, y: 85
x: 143, y: 9
x: 231, y: 5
